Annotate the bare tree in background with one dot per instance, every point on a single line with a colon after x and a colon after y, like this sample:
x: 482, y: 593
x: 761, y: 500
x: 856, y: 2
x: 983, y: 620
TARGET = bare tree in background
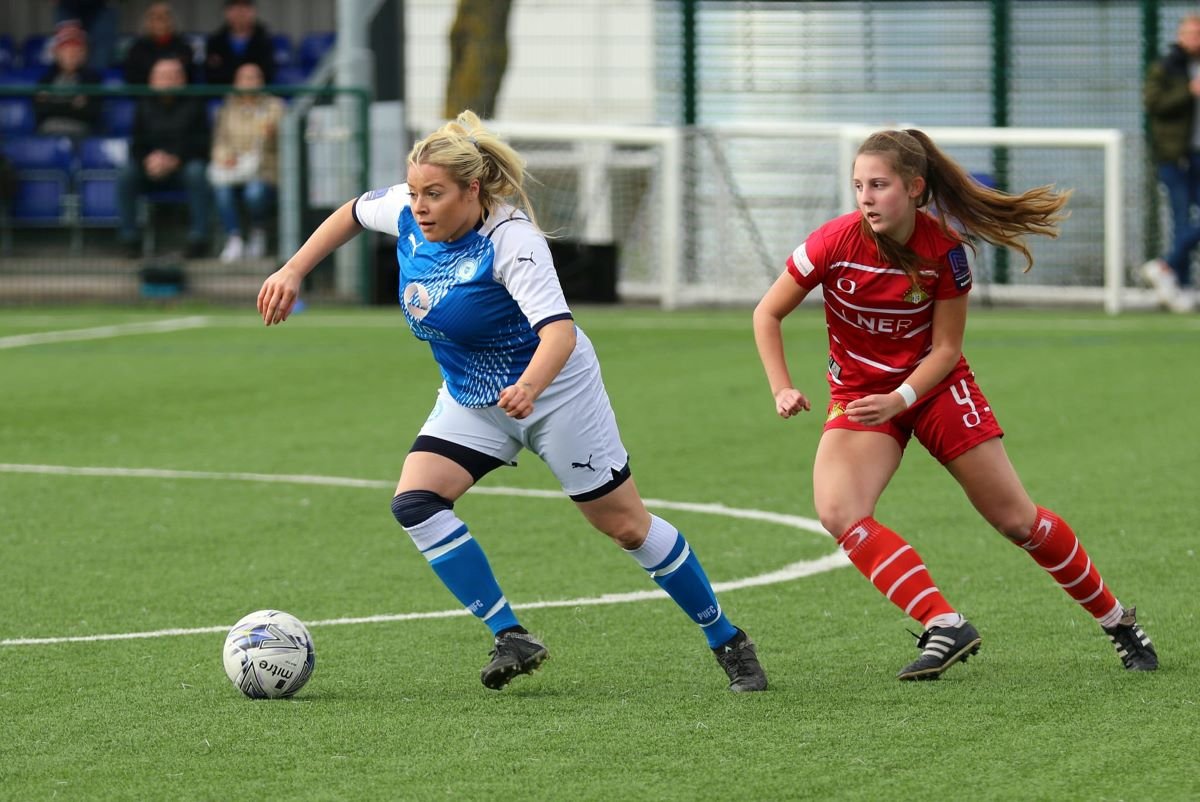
x: 478, y: 56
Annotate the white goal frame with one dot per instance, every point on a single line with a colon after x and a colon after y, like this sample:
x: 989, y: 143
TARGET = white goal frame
x: 595, y: 227
x: 593, y: 147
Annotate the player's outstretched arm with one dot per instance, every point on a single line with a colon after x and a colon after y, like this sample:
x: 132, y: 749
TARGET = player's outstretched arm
x: 280, y: 290
x: 784, y: 296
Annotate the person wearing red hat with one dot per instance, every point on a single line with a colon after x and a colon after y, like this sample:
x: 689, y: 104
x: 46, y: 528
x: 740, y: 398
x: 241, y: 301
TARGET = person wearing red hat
x: 69, y: 114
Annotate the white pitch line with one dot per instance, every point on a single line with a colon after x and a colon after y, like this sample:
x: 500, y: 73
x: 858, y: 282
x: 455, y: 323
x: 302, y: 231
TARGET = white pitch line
x: 795, y: 570
x: 103, y: 332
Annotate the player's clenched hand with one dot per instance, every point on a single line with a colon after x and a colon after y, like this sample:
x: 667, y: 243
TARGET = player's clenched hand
x: 278, y: 296
x: 872, y: 410
x: 789, y: 401
x: 517, y: 400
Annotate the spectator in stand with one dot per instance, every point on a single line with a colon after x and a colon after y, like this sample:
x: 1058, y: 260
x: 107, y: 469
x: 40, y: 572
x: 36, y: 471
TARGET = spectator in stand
x: 57, y: 113
x: 99, y: 19
x: 168, y: 150
x: 241, y: 40
x: 159, y: 40
x: 245, y: 162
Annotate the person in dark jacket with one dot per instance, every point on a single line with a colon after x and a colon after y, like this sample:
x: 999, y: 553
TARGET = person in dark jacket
x: 1172, y: 94
x: 241, y: 40
x: 168, y: 150
x: 159, y: 40
x: 58, y: 113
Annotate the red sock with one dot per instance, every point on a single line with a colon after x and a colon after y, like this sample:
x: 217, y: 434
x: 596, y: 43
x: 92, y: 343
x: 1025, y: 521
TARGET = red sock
x: 1054, y: 546
x: 895, y: 568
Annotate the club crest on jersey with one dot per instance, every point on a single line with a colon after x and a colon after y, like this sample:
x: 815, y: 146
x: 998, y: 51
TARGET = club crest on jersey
x: 416, y: 300
x: 466, y: 269
x: 836, y: 409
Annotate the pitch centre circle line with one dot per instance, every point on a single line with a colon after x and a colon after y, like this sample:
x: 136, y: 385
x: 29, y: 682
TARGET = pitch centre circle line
x: 787, y: 573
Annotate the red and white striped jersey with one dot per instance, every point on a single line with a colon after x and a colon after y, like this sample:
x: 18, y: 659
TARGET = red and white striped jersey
x: 880, y: 325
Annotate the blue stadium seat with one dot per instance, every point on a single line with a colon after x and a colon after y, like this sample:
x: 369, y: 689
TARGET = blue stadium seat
x: 39, y: 152
x: 116, y: 115
x: 313, y: 47
x: 103, y: 153
x: 16, y: 116
x: 21, y: 76
x: 42, y: 166
x: 98, y: 202
x: 100, y: 159
x: 37, y: 51
x: 213, y: 105
x: 281, y: 44
x: 289, y: 76
x: 8, y: 53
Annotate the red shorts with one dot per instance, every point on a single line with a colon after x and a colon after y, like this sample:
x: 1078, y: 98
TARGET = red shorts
x: 949, y: 421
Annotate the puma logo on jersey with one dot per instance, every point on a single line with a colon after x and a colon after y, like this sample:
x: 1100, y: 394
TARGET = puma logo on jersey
x: 587, y: 464
x: 412, y: 240
x: 528, y: 258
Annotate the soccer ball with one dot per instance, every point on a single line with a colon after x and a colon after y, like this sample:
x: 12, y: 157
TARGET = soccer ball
x: 269, y: 654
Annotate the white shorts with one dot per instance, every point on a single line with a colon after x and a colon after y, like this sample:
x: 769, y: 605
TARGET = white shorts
x: 572, y: 426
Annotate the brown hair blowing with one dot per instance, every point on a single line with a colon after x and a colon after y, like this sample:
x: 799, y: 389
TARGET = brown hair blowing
x: 951, y: 194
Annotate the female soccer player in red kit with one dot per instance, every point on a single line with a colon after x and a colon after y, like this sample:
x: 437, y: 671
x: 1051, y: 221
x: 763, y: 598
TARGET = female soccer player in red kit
x: 895, y: 278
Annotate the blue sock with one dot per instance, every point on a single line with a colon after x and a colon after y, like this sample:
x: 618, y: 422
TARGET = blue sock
x: 675, y: 568
x: 459, y: 561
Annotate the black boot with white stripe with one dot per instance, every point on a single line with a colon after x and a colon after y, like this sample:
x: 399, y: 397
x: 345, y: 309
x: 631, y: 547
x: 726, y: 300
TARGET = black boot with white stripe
x: 1133, y: 646
x: 941, y: 647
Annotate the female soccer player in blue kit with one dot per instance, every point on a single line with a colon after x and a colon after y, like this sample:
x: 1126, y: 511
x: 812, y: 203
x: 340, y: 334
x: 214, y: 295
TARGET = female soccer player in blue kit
x: 479, y: 285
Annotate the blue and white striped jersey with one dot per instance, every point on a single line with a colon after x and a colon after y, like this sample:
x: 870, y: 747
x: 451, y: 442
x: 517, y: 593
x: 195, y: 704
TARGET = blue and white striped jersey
x: 478, y: 301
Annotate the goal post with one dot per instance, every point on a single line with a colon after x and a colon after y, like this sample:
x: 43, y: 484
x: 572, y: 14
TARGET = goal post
x: 616, y: 185
x: 707, y: 215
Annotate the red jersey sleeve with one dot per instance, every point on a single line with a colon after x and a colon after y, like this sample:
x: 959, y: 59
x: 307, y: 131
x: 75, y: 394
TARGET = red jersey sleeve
x: 809, y: 262
x: 954, y: 269
x: 956, y: 279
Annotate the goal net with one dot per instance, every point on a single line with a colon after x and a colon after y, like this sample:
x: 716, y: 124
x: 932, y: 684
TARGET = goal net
x: 709, y: 215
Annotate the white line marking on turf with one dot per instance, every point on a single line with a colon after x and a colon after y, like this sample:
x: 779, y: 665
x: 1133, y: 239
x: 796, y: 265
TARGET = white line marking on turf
x: 795, y: 570
x: 102, y: 332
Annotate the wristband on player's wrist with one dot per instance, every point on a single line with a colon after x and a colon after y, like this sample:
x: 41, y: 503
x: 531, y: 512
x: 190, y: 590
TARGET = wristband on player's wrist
x: 907, y: 393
